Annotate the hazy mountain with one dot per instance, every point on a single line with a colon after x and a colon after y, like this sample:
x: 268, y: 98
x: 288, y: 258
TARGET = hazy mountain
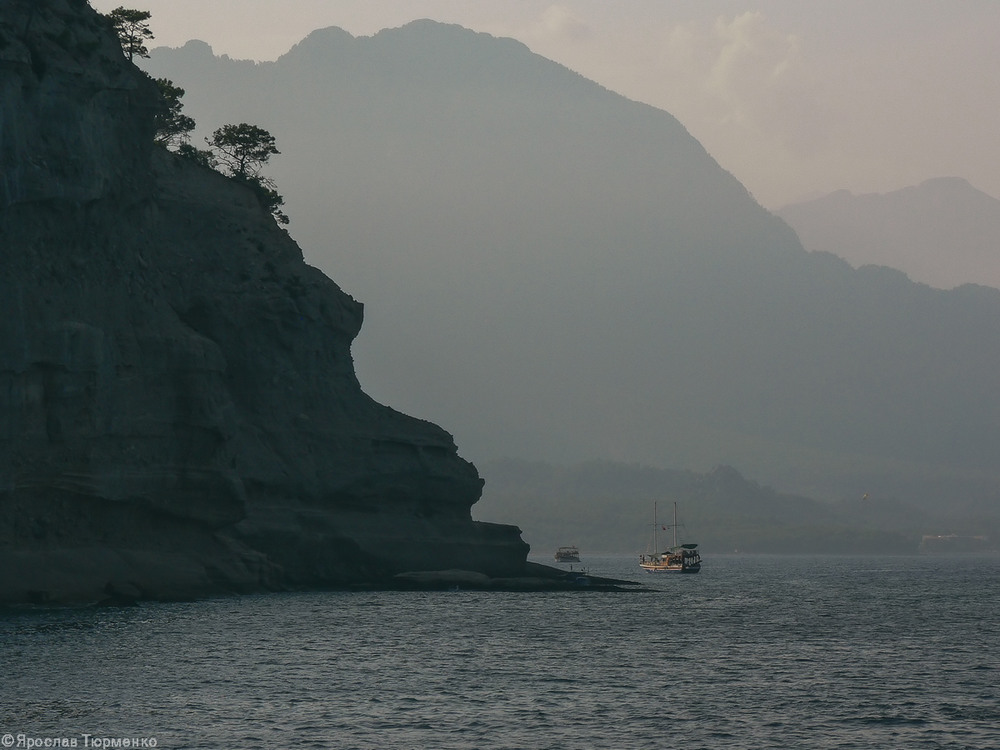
x: 942, y: 232
x: 559, y: 273
x: 604, y: 506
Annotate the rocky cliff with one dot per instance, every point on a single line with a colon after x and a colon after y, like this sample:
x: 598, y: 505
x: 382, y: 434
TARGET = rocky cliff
x: 179, y: 411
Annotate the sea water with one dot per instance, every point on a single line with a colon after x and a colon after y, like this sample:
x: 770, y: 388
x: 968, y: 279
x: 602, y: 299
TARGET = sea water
x: 755, y: 652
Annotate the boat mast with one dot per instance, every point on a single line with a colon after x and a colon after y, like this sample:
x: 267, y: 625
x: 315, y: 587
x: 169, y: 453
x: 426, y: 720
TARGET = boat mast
x: 654, y: 528
x: 675, y: 524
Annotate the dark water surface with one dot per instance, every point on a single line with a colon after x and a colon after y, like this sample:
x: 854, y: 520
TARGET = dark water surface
x: 755, y: 652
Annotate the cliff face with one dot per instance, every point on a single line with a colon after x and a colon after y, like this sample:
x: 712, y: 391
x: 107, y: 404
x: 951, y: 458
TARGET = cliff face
x: 179, y: 413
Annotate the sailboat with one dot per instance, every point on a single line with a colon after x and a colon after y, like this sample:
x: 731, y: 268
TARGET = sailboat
x: 567, y: 554
x: 679, y: 558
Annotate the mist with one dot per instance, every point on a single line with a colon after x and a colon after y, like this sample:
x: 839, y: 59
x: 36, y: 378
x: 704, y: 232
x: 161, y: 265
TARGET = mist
x: 552, y: 271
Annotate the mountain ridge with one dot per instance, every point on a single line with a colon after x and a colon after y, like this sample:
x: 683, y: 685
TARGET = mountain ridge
x: 943, y: 232
x: 561, y: 273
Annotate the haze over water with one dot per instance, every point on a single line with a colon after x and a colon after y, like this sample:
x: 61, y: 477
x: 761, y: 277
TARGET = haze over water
x: 762, y: 652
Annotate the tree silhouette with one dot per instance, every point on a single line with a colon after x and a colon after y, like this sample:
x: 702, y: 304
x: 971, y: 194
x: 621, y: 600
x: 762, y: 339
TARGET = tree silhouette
x: 201, y: 156
x: 242, y: 150
x: 132, y: 29
x: 269, y: 197
x: 172, y: 127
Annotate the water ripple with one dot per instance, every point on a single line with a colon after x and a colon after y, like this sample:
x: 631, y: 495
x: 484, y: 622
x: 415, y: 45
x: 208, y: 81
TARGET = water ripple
x: 754, y: 652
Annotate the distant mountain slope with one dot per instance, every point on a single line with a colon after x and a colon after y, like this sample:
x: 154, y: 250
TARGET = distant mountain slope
x: 603, y: 506
x: 942, y: 232
x: 557, y: 272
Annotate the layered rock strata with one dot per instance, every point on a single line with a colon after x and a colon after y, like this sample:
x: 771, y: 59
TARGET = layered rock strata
x: 179, y: 411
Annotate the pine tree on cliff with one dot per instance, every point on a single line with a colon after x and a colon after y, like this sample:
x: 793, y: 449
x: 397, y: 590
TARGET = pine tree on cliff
x: 132, y: 29
x: 172, y: 127
x: 242, y: 150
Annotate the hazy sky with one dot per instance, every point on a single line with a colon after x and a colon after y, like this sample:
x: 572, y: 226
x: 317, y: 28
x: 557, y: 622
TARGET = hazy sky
x: 795, y: 98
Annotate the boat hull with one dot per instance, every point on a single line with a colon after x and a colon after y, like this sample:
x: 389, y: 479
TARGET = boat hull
x: 652, y: 568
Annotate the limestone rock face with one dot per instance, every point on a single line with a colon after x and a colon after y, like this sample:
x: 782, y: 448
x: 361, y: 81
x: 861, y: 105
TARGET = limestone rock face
x: 179, y: 412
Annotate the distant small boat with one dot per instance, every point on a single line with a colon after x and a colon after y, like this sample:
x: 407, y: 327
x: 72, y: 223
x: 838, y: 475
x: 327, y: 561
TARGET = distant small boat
x: 679, y: 558
x: 567, y: 554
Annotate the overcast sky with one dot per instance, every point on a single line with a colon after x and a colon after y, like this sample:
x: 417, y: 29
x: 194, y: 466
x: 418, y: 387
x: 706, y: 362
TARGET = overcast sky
x: 795, y: 98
